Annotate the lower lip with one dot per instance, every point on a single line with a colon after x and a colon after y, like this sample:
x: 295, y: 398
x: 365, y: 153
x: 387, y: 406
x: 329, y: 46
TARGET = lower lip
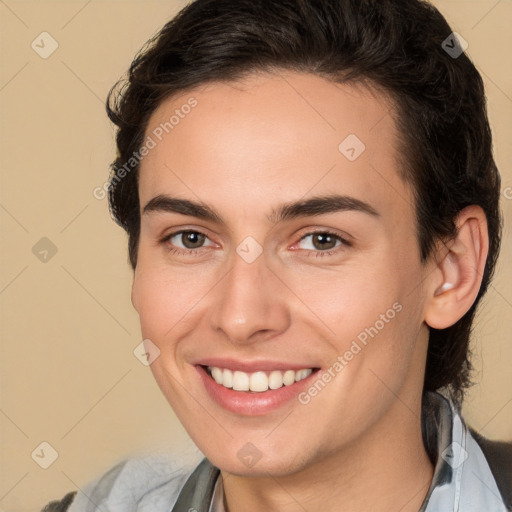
x: 252, y: 403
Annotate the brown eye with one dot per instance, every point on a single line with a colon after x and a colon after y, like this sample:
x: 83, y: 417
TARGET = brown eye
x: 320, y: 241
x: 188, y: 240
x: 324, y: 241
x: 192, y: 239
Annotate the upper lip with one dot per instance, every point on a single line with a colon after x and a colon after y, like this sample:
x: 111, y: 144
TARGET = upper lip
x: 252, y: 366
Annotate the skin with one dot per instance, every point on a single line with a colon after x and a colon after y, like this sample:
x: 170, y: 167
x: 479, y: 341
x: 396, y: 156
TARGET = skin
x: 246, y: 149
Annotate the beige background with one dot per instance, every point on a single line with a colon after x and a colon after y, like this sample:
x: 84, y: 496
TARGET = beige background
x: 68, y: 373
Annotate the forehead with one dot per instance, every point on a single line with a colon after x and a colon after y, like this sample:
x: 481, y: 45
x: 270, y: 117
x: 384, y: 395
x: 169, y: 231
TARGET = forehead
x: 270, y: 138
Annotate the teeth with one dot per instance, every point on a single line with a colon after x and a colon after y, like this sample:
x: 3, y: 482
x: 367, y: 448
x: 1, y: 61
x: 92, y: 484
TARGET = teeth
x: 275, y: 380
x: 217, y: 375
x: 258, y: 381
x: 288, y: 377
x: 227, y: 378
x: 240, y: 381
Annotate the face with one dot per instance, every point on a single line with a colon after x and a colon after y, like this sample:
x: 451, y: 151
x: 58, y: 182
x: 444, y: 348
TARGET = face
x: 278, y: 252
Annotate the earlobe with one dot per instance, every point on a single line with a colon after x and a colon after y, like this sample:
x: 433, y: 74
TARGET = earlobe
x: 459, y: 273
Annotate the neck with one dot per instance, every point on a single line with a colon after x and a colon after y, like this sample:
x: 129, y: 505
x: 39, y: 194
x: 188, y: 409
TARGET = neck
x: 387, y: 468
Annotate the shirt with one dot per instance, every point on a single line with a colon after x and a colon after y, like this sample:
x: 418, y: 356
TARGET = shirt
x: 462, y: 480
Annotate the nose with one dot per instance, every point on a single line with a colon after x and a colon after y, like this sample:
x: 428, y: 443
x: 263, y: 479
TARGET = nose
x: 250, y: 303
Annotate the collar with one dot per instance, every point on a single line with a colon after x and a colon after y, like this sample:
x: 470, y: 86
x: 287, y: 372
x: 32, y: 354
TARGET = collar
x: 462, y: 479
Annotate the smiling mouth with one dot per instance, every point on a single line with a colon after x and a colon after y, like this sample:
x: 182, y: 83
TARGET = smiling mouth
x: 256, y: 382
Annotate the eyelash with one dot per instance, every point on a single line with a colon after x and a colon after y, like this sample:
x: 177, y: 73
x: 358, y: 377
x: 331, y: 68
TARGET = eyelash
x: 309, y: 252
x: 330, y: 252
x: 177, y: 250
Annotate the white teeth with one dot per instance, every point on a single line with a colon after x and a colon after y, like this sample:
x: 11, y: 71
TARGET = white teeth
x: 257, y: 381
x: 288, y: 377
x: 275, y: 380
x: 227, y: 378
x: 240, y: 381
x: 217, y: 375
x: 302, y: 374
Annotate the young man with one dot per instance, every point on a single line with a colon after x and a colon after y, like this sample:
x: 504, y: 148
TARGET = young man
x: 312, y: 209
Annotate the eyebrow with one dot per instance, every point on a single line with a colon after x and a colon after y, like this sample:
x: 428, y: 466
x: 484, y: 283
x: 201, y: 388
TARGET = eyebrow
x: 302, y: 208
x: 164, y: 203
x: 319, y: 206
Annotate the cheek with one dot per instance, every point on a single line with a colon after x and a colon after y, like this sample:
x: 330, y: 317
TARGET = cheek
x: 346, y: 300
x: 370, y: 312
x: 166, y: 303
x: 166, y: 300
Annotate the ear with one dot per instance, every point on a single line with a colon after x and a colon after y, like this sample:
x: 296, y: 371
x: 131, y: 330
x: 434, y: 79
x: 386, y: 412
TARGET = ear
x: 455, y: 282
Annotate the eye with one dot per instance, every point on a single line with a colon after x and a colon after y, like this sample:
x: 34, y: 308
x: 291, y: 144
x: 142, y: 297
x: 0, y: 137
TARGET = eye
x: 322, y: 243
x: 188, y: 240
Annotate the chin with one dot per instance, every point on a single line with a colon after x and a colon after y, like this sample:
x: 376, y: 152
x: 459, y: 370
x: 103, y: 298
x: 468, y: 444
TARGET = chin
x: 249, y: 461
